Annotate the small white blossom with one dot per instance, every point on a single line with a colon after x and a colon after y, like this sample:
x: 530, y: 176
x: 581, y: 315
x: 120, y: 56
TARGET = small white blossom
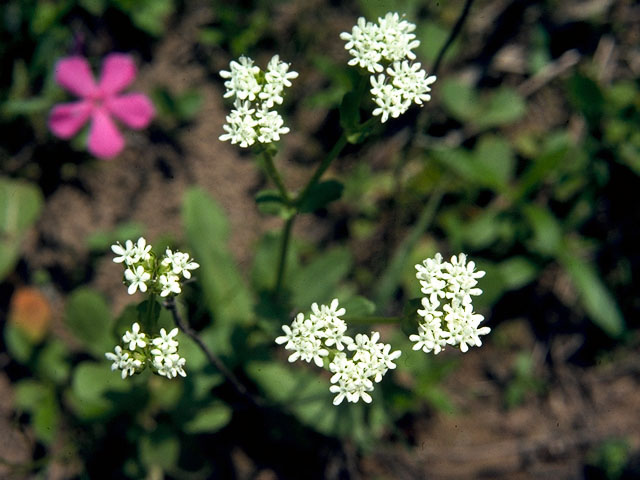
x: 137, y: 279
x: 119, y: 358
x: 242, y: 79
x: 389, y: 43
x: 169, y: 365
x: 448, y: 317
x: 126, y: 253
x: 169, y: 284
x: 165, y: 343
x: 143, y: 250
x: 353, y: 378
x: 249, y: 122
x: 270, y: 126
x: 135, y: 338
x: 124, y: 362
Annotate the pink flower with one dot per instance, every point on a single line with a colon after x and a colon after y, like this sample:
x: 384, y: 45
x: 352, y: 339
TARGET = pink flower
x: 99, y: 102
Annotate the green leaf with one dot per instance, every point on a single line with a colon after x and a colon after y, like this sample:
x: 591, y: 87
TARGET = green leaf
x: 459, y: 99
x: 89, y: 320
x: 270, y: 202
x: 19, y: 345
x: 379, y: 8
x: 40, y: 401
x: 209, y: 419
x: 20, y: 205
x: 517, y: 272
x: 94, y: 7
x: 306, y: 395
x: 547, y: 232
x: 350, y: 111
x: 358, y: 306
x: 505, y: 105
x: 317, y: 281
x: 52, y: 362
x: 586, y: 96
x: 207, y: 232
x: 149, y: 16
x: 495, y: 160
x: 320, y: 195
x: 90, y: 385
x: 159, y: 448
x: 596, y: 299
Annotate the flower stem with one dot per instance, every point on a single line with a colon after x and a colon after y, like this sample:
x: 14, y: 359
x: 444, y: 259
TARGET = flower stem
x: 282, y: 259
x: 273, y: 173
x: 212, y: 357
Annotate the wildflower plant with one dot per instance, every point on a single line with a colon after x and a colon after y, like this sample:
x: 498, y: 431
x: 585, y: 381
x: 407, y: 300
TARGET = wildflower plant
x: 354, y: 361
x: 144, y: 271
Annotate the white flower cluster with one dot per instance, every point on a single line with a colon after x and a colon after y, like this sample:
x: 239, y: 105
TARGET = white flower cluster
x: 450, y: 285
x: 311, y: 339
x: 161, y: 353
x: 390, y: 44
x: 143, y: 271
x: 255, y: 94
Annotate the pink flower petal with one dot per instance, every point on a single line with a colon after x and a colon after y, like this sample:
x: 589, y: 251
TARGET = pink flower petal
x: 118, y: 72
x: 67, y: 118
x: 134, y: 109
x: 74, y: 74
x: 105, y: 141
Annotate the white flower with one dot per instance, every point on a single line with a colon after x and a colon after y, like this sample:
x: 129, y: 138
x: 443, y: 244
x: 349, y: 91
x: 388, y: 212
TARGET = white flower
x: 137, y: 279
x: 169, y: 365
x: 395, y: 37
x: 249, y: 122
x: 119, y: 358
x: 142, y: 250
x: 165, y: 343
x: 240, y: 129
x: 352, y: 377
x: 270, y: 126
x: 243, y: 82
x: 179, y: 262
x: 449, y: 285
x: 390, y: 42
x: 134, y: 337
x: 123, y: 361
x: 169, y: 284
x: 126, y: 253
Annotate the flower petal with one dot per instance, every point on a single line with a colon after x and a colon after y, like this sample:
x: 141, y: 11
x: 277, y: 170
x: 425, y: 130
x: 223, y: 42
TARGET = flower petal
x: 118, y: 72
x: 134, y: 109
x: 74, y: 74
x: 105, y: 141
x: 67, y: 118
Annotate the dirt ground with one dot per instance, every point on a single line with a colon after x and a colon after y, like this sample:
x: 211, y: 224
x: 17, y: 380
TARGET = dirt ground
x: 548, y: 435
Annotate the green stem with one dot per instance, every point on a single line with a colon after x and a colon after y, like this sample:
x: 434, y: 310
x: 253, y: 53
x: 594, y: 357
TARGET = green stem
x: 371, y: 320
x: 282, y: 259
x: 273, y: 173
x: 326, y: 162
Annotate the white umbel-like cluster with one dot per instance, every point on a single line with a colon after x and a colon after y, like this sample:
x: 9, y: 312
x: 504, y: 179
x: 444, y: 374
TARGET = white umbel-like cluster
x: 255, y: 93
x: 385, y: 49
x: 160, y: 353
x: 324, y: 334
x: 143, y: 271
x: 447, y: 305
